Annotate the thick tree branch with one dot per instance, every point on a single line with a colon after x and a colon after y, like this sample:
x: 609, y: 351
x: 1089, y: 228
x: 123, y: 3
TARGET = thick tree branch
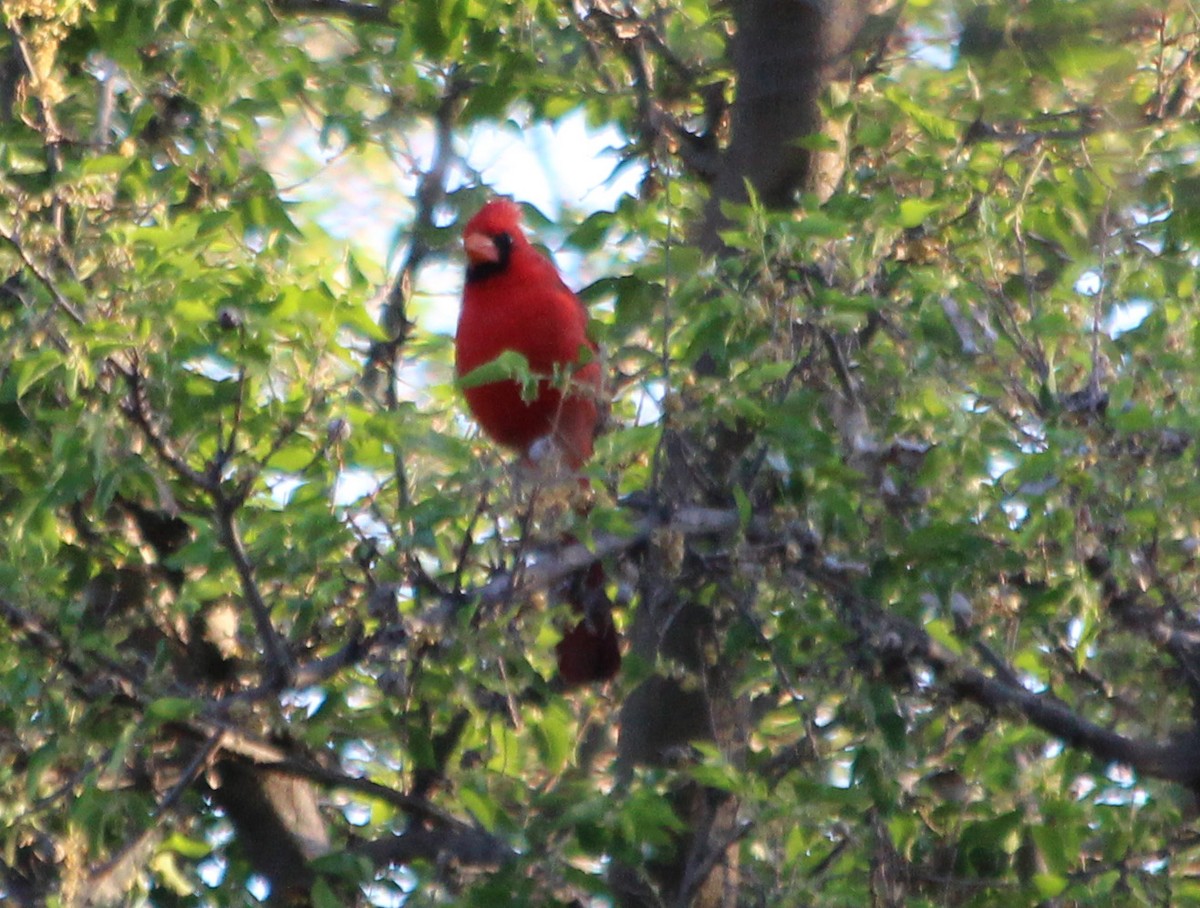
x: 891, y: 639
x: 433, y: 833
x: 705, y: 858
x: 546, y: 572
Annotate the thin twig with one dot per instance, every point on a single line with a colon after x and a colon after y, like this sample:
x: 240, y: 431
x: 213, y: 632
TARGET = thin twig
x: 280, y: 669
x: 431, y: 190
x: 108, y: 881
x: 60, y: 300
x: 136, y: 408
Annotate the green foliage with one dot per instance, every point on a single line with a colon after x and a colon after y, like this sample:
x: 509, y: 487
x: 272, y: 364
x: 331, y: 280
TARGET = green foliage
x: 967, y: 379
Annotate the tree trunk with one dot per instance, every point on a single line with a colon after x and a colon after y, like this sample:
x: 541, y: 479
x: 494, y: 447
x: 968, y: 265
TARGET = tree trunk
x: 784, y: 53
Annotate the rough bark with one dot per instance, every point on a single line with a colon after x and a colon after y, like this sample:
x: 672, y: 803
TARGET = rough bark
x: 784, y: 54
x: 278, y: 822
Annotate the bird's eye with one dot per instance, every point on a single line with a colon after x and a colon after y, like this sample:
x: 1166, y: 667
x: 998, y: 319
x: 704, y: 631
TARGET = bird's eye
x: 503, y: 243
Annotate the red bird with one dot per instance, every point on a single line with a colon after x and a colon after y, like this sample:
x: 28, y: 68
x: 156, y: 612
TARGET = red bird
x: 514, y: 299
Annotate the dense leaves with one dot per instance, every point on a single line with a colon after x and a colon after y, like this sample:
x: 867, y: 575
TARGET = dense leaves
x: 912, y: 460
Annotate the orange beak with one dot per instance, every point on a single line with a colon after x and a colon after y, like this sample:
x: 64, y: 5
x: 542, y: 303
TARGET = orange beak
x: 480, y: 248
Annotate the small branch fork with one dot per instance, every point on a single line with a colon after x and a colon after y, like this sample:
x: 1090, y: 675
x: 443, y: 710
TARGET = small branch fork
x: 640, y: 43
x: 278, y: 669
x: 280, y: 672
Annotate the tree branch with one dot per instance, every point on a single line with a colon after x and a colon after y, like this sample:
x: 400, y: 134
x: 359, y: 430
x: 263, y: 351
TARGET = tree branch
x: 61, y: 303
x: 111, y: 880
x: 136, y: 408
x: 430, y: 192
x: 783, y: 55
x: 280, y: 669
x: 635, y: 39
x: 1134, y: 611
x: 890, y: 638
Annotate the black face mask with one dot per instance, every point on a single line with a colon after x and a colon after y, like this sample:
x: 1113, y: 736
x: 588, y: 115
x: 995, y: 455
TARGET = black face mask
x: 484, y: 270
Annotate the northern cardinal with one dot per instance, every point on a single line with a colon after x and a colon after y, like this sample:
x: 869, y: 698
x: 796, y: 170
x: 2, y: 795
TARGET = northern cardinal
x: 514, y: 299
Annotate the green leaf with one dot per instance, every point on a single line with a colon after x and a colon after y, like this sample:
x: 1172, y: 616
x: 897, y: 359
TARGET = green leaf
x: 480, y: 806
x: 33, y: 369
x: 888, y: 719
x: 915, y: 212
x: 323, y: 895
x: 428, y: 28
x: 1050, y: 885
x: 509, y: 365
x: 649, y: 818
x: 744, y: 506
x: 186, y: 846
x: 763, y: 374
x: 172, y: 709
x: 166, y: 868
x: 941, y: 631
x: 1137, y: 418
x: 554, y: 735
